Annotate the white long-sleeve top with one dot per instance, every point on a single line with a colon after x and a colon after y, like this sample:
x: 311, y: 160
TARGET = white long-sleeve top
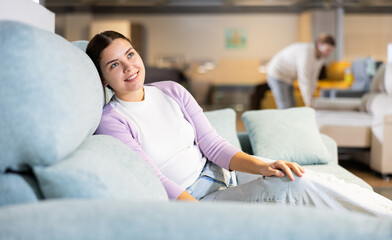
x: 164, y: 134
x: 297, y: 62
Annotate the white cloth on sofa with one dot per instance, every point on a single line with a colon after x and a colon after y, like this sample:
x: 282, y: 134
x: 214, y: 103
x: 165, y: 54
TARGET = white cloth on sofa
x: 320, y: 190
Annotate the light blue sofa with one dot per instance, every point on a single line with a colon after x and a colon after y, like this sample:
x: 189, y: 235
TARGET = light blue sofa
x: 58, y: 181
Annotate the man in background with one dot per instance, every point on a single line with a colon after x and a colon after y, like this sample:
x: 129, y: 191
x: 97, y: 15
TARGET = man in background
x: 298, y: 61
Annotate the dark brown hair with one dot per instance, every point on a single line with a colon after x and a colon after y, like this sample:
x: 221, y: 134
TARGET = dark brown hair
x: 325, y: 38
x: 98, y: 43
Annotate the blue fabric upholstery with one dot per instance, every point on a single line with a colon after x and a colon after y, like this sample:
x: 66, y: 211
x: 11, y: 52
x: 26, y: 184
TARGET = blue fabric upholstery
x: 50, y: 100
x: 122, y: 220
x: 224, y: 122
x: 329, y: 143
x: 362, y: 79
x: 15, y: 189
x: 332, y: 148
x: 102, y: 167
x: 82, y: 44
x: 289, y: 134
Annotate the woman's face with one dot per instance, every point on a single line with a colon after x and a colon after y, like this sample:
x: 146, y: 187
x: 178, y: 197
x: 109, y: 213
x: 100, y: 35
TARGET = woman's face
x: 123, y: 70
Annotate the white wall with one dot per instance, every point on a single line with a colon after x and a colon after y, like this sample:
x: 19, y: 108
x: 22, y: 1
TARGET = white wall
x: 202, y: 36
x: 367, y: 35
x: 29, y: 12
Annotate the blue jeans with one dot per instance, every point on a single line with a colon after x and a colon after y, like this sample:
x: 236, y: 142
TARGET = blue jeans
x: 212, y: 178
x: 283, y: 93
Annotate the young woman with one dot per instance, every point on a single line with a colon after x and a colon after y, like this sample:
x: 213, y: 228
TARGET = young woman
x: 163, y: 123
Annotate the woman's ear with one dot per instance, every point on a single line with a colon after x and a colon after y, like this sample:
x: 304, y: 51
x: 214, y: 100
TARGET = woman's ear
x: 104, y: 83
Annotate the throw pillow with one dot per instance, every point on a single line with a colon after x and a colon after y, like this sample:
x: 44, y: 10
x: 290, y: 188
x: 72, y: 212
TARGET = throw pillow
x: 104, y: 168
x: 289, y: 134
x: 224, y: 121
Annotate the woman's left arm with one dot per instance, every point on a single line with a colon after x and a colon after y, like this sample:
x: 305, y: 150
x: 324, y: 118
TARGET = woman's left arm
x: 243, y: 162
x: 220, y: 151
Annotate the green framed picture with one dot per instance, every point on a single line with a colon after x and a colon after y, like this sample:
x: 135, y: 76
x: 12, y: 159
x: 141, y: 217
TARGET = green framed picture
x: 235, y: 38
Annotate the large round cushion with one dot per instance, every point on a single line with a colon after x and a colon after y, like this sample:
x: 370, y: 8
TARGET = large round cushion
x: 102, y: 167
x: 50, y: 96
x: 108, y: 94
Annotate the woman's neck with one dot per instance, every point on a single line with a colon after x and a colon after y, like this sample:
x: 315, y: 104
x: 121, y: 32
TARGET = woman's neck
x: 136, y: 96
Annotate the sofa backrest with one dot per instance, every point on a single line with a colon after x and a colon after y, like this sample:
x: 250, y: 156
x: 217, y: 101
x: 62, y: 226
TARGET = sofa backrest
x: 50, y: 97
x: 51, y: 104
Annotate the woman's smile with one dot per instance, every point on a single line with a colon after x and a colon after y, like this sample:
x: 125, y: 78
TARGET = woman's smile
x: 132, y: 77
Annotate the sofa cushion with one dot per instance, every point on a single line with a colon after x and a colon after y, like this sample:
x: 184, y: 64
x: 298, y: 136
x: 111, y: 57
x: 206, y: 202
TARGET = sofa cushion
x: 103, y: 167
x: 108, y: 94
x: 15, y: 189
x: 224, y: 122
x: 289, y: 134
x: 50, y: 99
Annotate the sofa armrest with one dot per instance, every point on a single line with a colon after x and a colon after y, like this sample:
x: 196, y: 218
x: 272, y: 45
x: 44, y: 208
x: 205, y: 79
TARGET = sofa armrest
x: 381, y: 153
x: 332, y: 148
x: 388, y: 139
x: 110, y: 219
x: 387, y: 153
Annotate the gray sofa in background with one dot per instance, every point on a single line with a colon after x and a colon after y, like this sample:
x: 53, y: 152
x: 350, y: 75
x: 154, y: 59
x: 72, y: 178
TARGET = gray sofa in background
x: 362, y: 125
x: 363, y: 70
x: 59, y: 181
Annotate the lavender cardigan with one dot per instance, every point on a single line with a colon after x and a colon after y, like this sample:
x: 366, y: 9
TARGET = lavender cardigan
x: 214, y: 147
